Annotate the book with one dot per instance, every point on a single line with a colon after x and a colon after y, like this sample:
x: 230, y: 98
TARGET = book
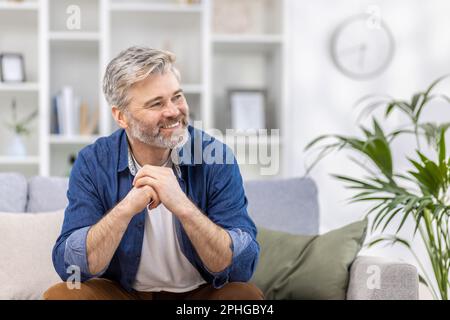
x: 67, y: 105
x: 54, y: 123
x: 66, y: 112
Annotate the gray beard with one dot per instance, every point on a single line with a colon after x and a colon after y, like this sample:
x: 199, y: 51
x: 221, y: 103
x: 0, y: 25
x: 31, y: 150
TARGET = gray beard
x: 155, y: 138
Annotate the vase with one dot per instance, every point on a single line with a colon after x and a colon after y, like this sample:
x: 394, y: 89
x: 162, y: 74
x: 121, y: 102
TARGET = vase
x: 17, y: 147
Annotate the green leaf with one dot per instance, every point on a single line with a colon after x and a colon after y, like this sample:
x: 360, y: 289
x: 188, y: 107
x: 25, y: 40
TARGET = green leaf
x: 402, y: 105
x: 393, y: 239
x: 442, y: 147
x: 369, y: 109
x: 393, y: 214
x: 385, y: 213
x: 389, y: 109
x: 423, y: 281
x: 356, y: 181
x: 376, y: 241
x: 316, y: 140
x: 415, y: 99
x: 406, y: 212
x: 436, y: 82
x: 367, y: 97
x: 426, y: 96
x: 419, y: 217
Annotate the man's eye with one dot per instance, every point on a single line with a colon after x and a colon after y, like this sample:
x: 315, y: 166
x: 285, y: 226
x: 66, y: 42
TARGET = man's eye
x: 177, y: 97
x: 155, y: 105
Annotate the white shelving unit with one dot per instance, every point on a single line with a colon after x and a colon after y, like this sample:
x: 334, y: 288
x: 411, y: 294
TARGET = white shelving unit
x: 19, y: 160
x: 19, y: 87
x: 74, y: 36
x: 20, y: 33
x: 25, y: 6
x: 153, y: 6
x: 79, y: 139
x: 211, y: 61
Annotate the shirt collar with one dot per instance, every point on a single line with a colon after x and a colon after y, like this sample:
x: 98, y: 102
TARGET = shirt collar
x: 134, y: 166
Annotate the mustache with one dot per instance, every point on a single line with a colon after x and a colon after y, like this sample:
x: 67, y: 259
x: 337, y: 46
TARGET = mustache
x: 183, y: 120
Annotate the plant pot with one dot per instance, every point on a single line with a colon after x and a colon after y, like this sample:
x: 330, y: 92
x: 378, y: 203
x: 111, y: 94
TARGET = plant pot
x: 17, y: 147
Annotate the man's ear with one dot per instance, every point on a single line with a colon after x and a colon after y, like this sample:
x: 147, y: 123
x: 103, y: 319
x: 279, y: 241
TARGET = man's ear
x: 120, y: 117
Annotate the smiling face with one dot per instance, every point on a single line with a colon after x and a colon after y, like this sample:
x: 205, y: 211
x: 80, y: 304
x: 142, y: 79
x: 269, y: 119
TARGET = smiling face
x: 158, y: 113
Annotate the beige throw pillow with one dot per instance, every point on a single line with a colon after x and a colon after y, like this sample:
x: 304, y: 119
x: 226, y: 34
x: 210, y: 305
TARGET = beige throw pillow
x: 26, y: 243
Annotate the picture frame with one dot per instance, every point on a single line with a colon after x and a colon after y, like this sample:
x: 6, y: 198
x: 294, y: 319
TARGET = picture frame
x: 238, y: 16
x: 247, y: 108
x: 12, y: 67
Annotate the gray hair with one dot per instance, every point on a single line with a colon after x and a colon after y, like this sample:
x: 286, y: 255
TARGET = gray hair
x: 133, y: 65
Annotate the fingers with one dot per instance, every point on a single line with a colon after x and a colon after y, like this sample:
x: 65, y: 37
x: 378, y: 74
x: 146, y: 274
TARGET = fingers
x: 154, y: 178
x: 146, y: 180
x: 153, y: 195
x: 146, y: 170
x: 151, y: 171
x: 155, y: 199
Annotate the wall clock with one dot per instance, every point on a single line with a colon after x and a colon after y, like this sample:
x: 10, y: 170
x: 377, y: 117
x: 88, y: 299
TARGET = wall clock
x: 362, y: 48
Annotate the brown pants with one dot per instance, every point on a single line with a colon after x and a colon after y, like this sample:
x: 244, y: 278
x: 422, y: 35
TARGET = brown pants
x: 104, y: 289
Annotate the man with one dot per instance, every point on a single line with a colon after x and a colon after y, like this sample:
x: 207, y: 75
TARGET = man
x: 146, y: 219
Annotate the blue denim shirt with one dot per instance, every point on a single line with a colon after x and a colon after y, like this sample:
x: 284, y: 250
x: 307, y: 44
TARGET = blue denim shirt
x: 207, y: 172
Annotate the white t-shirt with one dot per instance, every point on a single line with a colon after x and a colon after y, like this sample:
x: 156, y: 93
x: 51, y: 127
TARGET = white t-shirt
x: 163, y: 266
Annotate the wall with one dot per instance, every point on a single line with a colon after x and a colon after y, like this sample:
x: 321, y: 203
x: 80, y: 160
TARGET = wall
x: 322, y: 98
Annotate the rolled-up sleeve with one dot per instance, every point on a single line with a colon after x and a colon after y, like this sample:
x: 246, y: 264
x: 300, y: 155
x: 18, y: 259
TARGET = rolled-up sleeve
x: 75, y: 253
x: 83, y: 211
x: 227, y: 207
x: 240, y: 239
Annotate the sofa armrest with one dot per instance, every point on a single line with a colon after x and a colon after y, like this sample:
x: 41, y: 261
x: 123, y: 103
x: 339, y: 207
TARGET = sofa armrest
x: 375, y: 278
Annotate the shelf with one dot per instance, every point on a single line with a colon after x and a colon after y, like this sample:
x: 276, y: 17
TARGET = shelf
x: 24, y: 6
x: 17, y: 87
x: 156, y: 7
x: 73, y: 36
x: 64, y: 140
x: 30, y: 160
x: 247, y: 38
x: 232, y: 42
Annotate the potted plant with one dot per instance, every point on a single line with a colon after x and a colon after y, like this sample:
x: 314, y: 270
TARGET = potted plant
x: 421, y: 193
x: 20, y: 128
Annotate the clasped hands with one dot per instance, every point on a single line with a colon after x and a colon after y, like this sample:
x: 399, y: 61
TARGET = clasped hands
x: 153, y: 185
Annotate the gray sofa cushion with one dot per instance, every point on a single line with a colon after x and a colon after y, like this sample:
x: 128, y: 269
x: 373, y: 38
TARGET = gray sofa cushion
x: 13, y: 192
x: 47, y: 194
x: 288, y: 205
x: 376, y: 278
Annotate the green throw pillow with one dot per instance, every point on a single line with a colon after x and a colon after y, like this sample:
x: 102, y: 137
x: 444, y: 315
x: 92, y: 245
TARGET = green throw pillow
x: 307, y: 267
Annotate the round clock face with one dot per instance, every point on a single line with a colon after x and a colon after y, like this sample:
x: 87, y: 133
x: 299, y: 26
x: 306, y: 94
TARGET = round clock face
x: 362, y: 48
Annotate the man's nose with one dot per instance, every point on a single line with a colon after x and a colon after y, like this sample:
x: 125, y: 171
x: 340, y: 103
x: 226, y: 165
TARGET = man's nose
x: 171, y: 110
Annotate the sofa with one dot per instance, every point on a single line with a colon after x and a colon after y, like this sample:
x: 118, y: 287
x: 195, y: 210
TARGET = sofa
x: 288, y: 205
